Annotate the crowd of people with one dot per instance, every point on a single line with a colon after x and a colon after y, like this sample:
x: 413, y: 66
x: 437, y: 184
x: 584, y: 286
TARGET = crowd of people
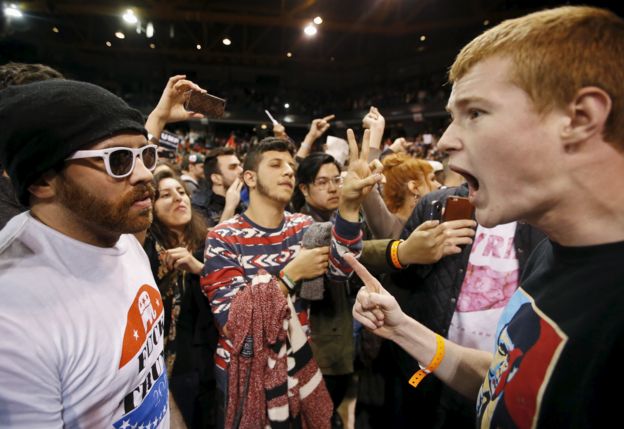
x: 254, y: 286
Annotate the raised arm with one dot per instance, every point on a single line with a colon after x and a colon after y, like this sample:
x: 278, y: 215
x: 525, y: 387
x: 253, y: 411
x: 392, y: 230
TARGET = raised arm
x: 317, y: 129
x: 382, y: 222
x: 170, y: 107
x: 461, y: 368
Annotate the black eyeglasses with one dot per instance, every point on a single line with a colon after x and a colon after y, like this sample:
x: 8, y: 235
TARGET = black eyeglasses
x: 323, y: 182
x: 120, y: 161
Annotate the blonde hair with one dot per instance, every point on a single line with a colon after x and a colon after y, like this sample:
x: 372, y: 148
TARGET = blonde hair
x: 399, y: 169
x: 555, y: 53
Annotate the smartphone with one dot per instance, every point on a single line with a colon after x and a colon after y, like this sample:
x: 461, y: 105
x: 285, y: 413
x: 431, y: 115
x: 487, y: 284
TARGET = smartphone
x: 207, y: 104
x: 434, y: 211
x: 457, y: 208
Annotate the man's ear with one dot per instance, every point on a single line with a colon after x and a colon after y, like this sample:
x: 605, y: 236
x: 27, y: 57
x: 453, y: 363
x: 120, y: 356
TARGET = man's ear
x: 45, y: 187
x: 588, y: 114
x: 304, y: 189
x: 249, y: 177
x: 216, y: 179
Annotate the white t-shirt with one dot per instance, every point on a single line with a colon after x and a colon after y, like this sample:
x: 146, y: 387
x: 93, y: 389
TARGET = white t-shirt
x: 81, y: 333
x: 491, y: 278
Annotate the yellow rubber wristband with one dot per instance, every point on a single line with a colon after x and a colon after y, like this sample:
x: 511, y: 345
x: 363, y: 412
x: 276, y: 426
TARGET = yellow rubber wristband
x: 435, y: 362
x: 394, y: 254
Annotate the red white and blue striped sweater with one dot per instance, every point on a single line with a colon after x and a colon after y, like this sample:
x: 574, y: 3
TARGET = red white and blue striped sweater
x: 238, y: 248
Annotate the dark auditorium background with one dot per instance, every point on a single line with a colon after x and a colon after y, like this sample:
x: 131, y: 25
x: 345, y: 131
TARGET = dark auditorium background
x: 392, y: 54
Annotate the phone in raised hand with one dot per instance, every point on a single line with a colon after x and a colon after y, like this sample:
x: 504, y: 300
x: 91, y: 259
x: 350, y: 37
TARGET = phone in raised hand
x: 209, y: 105
x: 457, y: 208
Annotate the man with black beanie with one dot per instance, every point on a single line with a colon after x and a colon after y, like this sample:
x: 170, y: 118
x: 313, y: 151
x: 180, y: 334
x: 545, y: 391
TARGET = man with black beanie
x: 18, y: 74
x: 81, y: 315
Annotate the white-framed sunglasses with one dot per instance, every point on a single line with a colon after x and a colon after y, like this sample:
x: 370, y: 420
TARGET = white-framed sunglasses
x: 120, y: 161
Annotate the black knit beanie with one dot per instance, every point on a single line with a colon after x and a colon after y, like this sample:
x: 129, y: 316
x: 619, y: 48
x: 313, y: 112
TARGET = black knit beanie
x: 43, y: 123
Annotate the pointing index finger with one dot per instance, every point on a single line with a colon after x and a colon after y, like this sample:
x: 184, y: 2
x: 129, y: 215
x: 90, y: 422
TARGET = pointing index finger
x: 372, y: 285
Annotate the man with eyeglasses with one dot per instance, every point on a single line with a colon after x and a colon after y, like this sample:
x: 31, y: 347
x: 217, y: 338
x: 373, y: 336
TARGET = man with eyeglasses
x: 81, y: 315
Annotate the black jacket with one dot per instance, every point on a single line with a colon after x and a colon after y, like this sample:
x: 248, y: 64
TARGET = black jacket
x: 209, y: 204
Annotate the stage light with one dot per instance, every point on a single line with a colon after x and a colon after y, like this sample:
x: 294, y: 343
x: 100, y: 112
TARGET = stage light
x: 149, y: 30
x: 120, y: 35
x: 152, y: 46
x: 286, y: 105
x: 130, y: 17
x: 310, y: 30
x: 289, y: 54
x: 423, y: 38
x: 55, y: 29
x: 109, y: 44
x: 12, y: 11
x: 226, y: 41
x: 318, y: 20
x: 198, y: 46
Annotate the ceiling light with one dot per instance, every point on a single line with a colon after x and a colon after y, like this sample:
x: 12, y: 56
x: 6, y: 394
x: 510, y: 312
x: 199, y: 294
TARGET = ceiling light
x: 286, y: 105
x: 486, y: 22
x: 198, y: 46
x: 310, y: 30
x: 130, y: 17
x: 226, y: 41
x: 109, y: 44
x: 152, y: 46
x: 55, y: 29
x: 263, y: 126
x: 289, y: 54
x: 149, y: 30
x: 318, y: 20
x: 12, y: 11
x: 423, y: 38
x: 120, y: 35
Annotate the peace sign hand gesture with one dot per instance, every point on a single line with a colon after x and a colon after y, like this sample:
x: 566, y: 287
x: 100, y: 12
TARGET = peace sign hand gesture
x: 359, y: 180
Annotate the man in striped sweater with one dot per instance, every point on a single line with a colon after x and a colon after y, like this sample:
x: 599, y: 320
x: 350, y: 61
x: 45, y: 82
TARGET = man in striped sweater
x: 266, y: 239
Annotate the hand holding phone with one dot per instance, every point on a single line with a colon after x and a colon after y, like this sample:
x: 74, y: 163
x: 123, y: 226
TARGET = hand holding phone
x: 207, y: 104
x: 434, y: 211
x: 457, y: 208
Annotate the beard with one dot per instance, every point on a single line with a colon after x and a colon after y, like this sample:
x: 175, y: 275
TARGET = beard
x: 273, y: 193
x: 112, y: 216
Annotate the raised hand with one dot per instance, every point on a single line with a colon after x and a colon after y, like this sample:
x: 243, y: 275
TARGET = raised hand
x: 170, y: 107
x: 359, y: 180
x: 232, y: 198
x: 319, y: 126
x: 374, y: 121
x: 433, y: 240
x: 374, y: 307
x: 279, y: 130
x: 232, y: 195
x: 400, y: 145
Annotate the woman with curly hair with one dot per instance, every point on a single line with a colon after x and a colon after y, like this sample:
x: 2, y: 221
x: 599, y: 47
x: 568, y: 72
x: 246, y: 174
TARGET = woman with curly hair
x: 175, y: 245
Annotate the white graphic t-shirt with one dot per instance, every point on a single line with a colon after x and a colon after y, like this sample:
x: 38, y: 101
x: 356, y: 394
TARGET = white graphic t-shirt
x: 82, y: 333
x: 491, y: 278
